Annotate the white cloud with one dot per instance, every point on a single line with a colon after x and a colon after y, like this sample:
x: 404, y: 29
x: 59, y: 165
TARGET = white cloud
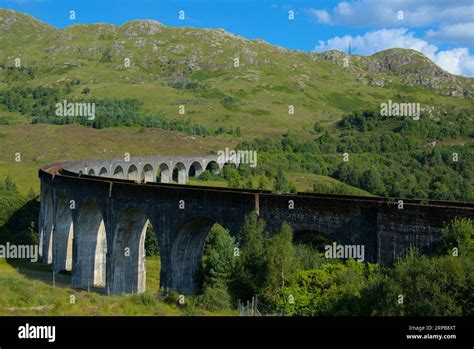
x: 457, y: 61
x: 416, y: 13
x: 322, y: 16
x: 462, y: 33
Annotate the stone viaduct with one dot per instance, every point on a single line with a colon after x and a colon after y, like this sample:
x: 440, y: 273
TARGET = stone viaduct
x: 94, y: 215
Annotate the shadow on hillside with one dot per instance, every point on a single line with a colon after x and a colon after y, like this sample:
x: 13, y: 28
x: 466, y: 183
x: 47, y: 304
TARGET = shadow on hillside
x: 20, y: 228
x: 43, y: 273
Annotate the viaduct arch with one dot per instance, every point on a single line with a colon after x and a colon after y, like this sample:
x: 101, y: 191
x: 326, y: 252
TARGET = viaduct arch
x: 95, y: 224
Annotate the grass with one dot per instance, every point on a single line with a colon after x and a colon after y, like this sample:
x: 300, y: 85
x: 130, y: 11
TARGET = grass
x: 40, y: 144
x: 217, y: 183
x: 27, y: 289
x: 304, y: 182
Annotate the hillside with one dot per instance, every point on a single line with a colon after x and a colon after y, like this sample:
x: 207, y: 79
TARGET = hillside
x: 197, y: 68
x: 234, y: 92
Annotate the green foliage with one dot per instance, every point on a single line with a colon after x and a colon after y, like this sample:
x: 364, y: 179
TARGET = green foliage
x: 218, y: 258
x: 18, y: 215
x: 146, y: 299
x: 231, y: 174
x: 40, y: 103
x: 339, y: 188
x: 14, y: 74
x: 318, y: 128
x: 296, y: 280
x: 281, y: 182
x: 332, y: 289
x: 362, y: 121
x: 460, y: 234
x: 209, y: 176
x: 430, y: 286
x: 383, y: 163
x: 250, y: 272
x: 183, y: 83
x: 215, y: 298
x: 106, y: 56
x: 151, y: 242
x: 8, y: 186
x: 308, y: 257
x: 158, y: 121
x: 5, y: 121
x: 219, y: 264
x: 9, y: 203
x: 230, y: 103
x: 280, y: 260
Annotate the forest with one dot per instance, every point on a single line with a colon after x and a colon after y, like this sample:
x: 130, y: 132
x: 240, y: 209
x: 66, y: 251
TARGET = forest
x: 383, y: 157
x: 295, y: 279
x: 39, y: 104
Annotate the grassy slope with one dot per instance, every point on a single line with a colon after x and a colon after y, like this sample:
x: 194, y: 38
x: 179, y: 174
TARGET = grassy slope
x: 268, y: 80
x: 304, y: 182
x: 28, y: 290
x: 39, y: 144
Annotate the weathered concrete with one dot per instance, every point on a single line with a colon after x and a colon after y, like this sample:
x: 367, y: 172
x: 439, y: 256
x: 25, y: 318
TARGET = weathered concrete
x: 63, y: 239
x: 90, y: 248
x: 128, y: 262
x: 110, y: 216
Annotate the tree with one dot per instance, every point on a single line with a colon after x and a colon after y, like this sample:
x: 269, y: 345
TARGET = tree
x: 372, y: 182
x: 219, y: 260
x: 281, y: 182
x: 458, y: 234
x: 250, y: 270
x: 280, y: 258
x: 231, y: 174
x: 318, y: 128
x: 430, y: 286
x: 218, y: 266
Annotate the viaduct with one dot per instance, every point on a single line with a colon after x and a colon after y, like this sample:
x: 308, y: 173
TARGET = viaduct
x: 94, y: 215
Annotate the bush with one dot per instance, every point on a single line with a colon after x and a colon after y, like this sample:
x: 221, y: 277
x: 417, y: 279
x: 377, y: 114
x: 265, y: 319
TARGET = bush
x: 430, y: 286
x: 460, y: 234
x: 146, y: 299
x: 215, y: 298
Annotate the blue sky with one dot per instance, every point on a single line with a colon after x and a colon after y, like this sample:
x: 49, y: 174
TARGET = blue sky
x: 441, y: 29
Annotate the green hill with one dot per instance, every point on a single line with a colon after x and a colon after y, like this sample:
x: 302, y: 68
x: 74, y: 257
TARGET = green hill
x: 232, y: 90
x: 198, y: 68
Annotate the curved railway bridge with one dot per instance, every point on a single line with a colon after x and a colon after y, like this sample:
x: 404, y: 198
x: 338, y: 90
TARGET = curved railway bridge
x: 94, y: 215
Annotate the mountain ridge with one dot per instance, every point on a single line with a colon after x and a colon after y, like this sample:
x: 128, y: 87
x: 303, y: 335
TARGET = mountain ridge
x: 156, y: 26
